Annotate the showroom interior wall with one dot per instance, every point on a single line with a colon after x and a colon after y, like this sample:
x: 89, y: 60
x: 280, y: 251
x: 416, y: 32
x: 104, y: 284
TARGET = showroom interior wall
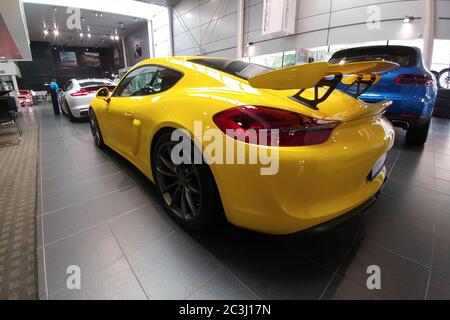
x: 46, y: 66
x: 137, y: 45
x: 207, y: 27
x: 443, y: 19
x: 39, y: 71
x: 318, y: 24
x: 142, y: 44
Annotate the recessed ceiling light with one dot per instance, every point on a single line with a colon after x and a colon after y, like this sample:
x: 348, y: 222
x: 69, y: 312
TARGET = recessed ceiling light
x: 45, y: 31
x: 56, y: 32
x: 89, y: 35
x: 81, y: 34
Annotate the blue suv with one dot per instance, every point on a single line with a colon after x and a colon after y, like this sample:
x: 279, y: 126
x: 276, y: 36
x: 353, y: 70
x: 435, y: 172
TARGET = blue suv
x: 412, y: 88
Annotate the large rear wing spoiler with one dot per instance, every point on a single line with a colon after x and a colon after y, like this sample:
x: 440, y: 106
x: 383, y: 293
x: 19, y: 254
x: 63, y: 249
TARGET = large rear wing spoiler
x: 357, y: 76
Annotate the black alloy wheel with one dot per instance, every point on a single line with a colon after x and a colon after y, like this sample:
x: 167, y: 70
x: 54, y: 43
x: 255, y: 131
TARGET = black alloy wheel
x: 95, y: 129
x: 188, y: 190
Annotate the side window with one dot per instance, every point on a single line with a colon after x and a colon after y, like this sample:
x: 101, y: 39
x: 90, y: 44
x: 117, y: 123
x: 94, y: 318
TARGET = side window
x: 165, y: 79
x: 68, y: 86
x: 137, y: 83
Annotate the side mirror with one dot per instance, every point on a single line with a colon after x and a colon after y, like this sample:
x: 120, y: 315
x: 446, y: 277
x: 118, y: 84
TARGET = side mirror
x: 104, y: 94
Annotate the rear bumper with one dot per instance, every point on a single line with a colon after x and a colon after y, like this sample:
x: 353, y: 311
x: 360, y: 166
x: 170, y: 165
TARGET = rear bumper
x: 414, y: 109
x: 406, y: 122
x: 313, y: 185
x: 79, y: 106
x: 80, y: 111
x: 345, y: 217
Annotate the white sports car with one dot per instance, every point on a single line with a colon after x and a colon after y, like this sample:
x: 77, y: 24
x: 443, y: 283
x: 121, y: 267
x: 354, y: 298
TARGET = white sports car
x: 78, y: 94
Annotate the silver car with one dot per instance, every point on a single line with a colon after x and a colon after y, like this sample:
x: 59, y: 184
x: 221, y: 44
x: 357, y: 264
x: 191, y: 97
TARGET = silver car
x: 78, y: 94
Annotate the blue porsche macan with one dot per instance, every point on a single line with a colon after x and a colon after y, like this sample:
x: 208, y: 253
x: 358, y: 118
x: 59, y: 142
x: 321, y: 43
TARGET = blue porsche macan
x: 411, y: 88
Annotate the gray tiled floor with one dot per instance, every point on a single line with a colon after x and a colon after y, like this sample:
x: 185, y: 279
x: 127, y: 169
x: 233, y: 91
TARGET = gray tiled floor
x: 98, y: 212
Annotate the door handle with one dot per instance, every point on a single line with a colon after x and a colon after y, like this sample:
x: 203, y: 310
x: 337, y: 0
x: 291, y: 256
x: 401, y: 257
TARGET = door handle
x: 128, y: 114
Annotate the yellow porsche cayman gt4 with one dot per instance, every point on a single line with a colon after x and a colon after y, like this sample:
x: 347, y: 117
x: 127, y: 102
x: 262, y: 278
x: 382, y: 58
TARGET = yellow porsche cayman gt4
x: 272, y: 151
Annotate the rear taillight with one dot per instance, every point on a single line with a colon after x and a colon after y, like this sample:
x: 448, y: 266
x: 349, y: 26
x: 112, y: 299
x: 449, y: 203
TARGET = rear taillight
x: 257, y: 125
x: 415, y: 79
x: 81, y: 93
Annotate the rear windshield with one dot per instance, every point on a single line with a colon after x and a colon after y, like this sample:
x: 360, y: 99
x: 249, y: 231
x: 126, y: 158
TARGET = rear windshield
x: 243, y: 70
x: 94, y: 83
x: 404, y: 56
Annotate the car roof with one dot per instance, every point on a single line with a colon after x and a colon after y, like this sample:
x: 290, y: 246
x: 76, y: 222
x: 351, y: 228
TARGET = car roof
x: 93, y: 80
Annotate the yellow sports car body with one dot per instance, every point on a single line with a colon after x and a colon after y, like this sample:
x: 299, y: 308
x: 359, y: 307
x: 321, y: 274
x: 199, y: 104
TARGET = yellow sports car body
x: 297, y: 153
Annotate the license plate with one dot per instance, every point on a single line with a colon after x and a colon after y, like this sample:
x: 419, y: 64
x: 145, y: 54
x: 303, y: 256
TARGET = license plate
x: 379, y: 165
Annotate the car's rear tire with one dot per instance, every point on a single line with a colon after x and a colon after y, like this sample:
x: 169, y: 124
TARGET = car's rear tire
x: 64, y: 106
x: 188, y: 191
x: 418, y: 135
x: 69, y: 113
x: 95, y: 129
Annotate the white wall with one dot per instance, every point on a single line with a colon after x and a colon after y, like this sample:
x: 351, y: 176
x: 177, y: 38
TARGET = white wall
x: 161, y: 33
x: 9, y: 69
x: 213, y: 24
x: 328, y: 22
x: 443, y: 19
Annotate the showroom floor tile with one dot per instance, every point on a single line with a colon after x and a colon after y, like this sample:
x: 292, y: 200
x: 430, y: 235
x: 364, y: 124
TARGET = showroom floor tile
x: 101, y: 214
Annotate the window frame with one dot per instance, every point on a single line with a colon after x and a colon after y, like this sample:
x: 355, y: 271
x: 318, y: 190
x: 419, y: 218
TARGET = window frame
x: 182, y: 74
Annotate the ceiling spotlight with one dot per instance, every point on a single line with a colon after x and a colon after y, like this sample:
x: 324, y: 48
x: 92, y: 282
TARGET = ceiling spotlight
x: 88, y: 29
x: 112, y: 37
x: 116, y: 38
x: 55, y: 9
x: 45, y: 31
x: 100, y: 14
x: 81, y: 35
x: 56, y: 32
x: 89, y: 35
x: 408, y: 19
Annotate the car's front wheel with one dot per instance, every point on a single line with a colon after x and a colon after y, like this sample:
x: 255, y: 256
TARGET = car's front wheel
x: 95, y: 129
x: 418, y: 135
x: 188, y: 190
